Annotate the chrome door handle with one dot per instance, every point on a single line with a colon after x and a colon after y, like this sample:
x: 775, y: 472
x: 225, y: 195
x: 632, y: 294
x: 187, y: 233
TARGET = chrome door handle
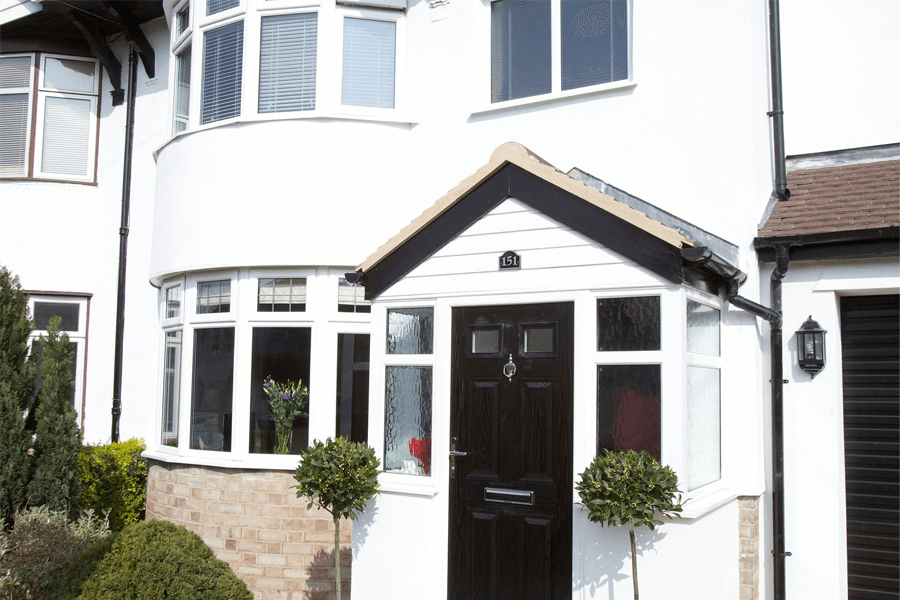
x: 453, y: 454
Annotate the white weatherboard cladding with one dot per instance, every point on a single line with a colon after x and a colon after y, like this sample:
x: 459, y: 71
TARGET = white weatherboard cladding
x: 553, y: 257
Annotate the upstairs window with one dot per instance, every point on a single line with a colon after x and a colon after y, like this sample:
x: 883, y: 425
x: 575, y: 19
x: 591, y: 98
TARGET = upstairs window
x: 223, y: 50
x: 65, y: 131
x: 287, y: 63
x: 593, y: 46
x: 369, y: 63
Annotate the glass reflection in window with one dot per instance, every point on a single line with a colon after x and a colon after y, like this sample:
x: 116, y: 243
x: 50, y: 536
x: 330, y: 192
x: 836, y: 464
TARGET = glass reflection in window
x: 213, y: 383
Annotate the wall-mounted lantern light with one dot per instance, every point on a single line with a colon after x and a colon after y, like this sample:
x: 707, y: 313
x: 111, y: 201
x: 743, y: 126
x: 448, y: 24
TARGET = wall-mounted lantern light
x: 811, y: 347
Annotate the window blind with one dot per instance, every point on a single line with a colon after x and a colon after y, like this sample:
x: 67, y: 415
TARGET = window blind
x: 369, y: 60
x: 13, y: 133
x: 15, y: 72
x: 222, y: 70
x: 520, y: 49
x: 66, y: 137
x: 217, y: 6
x: 287, y: 63
x: 594, y: 42
x: 183, y: 89
x: 68, y: 75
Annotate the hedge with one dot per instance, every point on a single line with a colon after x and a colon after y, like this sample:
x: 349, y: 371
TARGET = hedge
x: 114, y: 477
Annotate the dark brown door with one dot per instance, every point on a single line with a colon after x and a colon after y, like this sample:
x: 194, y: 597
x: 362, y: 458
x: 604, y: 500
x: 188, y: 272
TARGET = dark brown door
x: 511, y: 495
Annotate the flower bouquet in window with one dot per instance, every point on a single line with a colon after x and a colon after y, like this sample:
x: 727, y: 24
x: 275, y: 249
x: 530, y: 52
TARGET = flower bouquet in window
x: 286, y: 402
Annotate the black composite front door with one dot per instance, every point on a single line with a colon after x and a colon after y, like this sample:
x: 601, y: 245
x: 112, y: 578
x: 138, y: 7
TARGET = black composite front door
x: 511, y: 414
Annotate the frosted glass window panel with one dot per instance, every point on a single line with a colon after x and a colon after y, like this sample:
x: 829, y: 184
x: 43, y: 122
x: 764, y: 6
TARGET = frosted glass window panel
x: 287, y: 64
x: 214, y: 296
x: 282, y: 294
x: 594, y: 42
x: 369, y: 61
x: 182, y: 89
x: 13, y: 133
x: 67, y: 75
x: 171, y: 388
x: 67, y: 128
x: 281, y: 353
x: 520, y: 49
x: 407, y: 420
x: 173, y: 302
x: 68, y: 312
x: 539, y: 339
x: 704, y: 441
x: 410, y: 331
x: 212, y: 386
x: 703, y: 323
x: 222, y: 73
x: 352, y: 417
x: 15, y: 72
x: 352, y: 298
x: 485, y: 341
x: 628, y: 324
x: 628, y: 408
x: 217, y: 6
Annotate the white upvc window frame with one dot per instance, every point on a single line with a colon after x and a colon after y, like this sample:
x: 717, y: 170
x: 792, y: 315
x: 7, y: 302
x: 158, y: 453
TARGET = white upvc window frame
x: 30, y: 91
x: 79, y: 338
x: 198, y: 68
x: 710, y: 362
x: 481, y: 88
x: 45, y: 92
x: 205, y: 21
x: 336, y: 65
x: 179, y: 38
x: 180, y: 44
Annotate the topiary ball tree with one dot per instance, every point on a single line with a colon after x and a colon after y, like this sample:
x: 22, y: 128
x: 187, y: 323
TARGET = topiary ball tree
x: 152, y: 560
x: 339, y: 476
x: 629, y: 488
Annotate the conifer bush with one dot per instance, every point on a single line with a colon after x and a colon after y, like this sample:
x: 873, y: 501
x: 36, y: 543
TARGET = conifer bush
x: 57, y: 438
x: 16, y: 386
x: 152, y: 560
x: 113, y: 477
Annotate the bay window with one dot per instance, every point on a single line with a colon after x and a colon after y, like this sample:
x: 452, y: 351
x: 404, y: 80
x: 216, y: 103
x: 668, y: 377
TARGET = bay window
x: 226, y: 333
x: 65, y: 126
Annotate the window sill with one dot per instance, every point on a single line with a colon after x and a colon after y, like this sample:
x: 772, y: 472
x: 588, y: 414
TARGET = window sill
x: 388, y: 117
x: 555, y: 97
x: 270, y: 462
x: 46, y: 180
x: 695, y: 508
x: 410, y: 485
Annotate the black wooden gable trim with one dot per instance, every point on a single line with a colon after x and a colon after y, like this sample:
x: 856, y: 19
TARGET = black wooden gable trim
x: 511, y: 180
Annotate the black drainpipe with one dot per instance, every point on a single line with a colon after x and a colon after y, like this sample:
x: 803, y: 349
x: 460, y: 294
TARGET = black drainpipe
x: 123, y: 245
x: 775, y: 350
x: 702, y: 256
x: 777, y: 113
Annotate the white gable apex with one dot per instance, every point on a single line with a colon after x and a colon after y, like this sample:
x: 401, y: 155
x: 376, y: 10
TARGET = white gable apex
x: 553, y: 258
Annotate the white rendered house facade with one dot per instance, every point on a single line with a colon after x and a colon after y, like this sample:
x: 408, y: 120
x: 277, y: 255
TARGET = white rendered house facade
x: 281, y: 142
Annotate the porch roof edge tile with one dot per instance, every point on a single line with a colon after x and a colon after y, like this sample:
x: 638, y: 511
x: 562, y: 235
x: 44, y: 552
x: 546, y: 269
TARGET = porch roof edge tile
x: 517, y: 154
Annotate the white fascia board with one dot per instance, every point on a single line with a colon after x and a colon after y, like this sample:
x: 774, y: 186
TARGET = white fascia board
x: 10, y: 10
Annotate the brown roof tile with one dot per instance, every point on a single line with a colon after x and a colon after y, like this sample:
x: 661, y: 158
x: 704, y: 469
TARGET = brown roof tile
x: 845, y: 198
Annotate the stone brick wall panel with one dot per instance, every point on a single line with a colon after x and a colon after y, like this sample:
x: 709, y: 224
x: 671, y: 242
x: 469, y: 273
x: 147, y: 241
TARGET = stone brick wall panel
x: 253, y: 521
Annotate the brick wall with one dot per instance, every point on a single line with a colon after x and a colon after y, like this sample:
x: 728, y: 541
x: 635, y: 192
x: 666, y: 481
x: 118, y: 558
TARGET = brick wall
x: 748, y: 536
x: 254, y: 521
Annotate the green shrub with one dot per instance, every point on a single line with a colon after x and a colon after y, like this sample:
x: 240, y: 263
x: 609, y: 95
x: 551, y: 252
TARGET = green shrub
x: 629, y: 488
x: 16, y: 387
x: 113, y: 477
x: 36, y: 552
x: 339, y: 476
x: 82, y: 567
x: 152, y: 560
x: 57, y: 439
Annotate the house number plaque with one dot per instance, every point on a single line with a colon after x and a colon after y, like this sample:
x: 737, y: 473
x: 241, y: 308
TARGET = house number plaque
x: 510, y: 260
